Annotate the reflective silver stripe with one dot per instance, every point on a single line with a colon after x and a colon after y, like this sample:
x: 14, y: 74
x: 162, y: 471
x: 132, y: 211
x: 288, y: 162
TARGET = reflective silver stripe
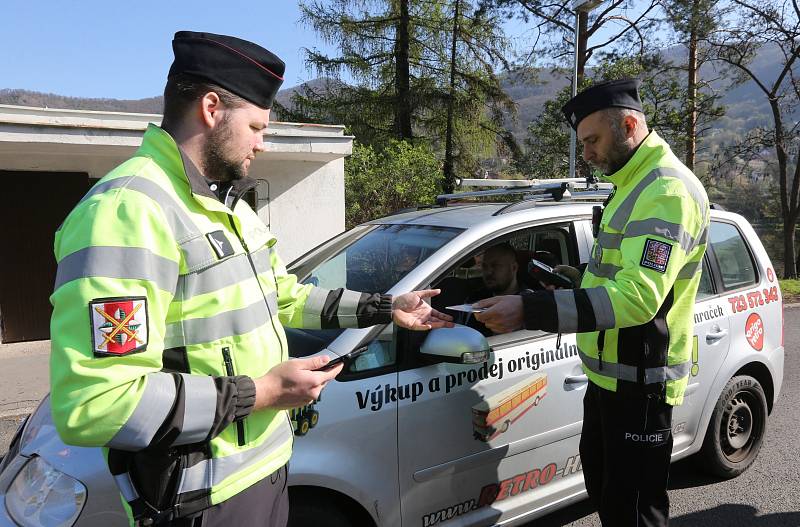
x: 211, y: 472
x: 272, y: 302
x: 609, y: 241
x: 348, y: 306
x: 133, y: 263
x: 226, y: 273
x: 664, y: 229
x: 196, y: 248
x: 602, y: 307
x: 148, y: 416
x: 703, y: 238
x: 126, y: 488
x: 567, y: 310
x: 312, y: 312
x: 199, y: 407
x: 624, y: 372
x: 667, y: 373
x: 689, y: 270
x: 262, y: 260
x: 179, y: 221
x: 197, y: 253
x: 603, y: 270
x: 624, y: 211
x: 202, y: 330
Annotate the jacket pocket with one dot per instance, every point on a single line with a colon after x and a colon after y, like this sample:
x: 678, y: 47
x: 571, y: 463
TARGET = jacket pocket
x: 230, y: 372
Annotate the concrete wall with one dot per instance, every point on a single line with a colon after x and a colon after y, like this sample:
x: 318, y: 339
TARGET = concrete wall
x: 303, y: 169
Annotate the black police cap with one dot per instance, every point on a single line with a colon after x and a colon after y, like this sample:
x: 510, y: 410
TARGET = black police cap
x: 622, y: 93
x: 241, y: 67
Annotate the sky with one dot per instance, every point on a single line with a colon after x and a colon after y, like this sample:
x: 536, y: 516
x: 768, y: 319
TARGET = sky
x: 122, y: 50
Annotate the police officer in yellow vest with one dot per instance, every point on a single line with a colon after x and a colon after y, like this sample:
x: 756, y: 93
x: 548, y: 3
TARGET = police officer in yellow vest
x: 167, y: 340
x: 633, y: 311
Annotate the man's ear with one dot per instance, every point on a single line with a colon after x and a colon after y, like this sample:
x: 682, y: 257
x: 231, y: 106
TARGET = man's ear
x: 210, y: 106
x: 630, y: 123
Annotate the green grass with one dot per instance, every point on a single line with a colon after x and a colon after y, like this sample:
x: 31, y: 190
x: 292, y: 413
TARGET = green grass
x: 790, y: 290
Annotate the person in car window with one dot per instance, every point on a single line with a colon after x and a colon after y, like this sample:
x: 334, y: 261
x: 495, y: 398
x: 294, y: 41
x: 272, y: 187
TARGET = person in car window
x: 499, y: 270
x: 634, y: 309
x: 168, y: 345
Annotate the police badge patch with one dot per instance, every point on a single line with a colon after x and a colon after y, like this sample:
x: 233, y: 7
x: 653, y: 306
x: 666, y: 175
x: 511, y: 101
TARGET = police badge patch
x: 119, y: 325
x: 656, y: 255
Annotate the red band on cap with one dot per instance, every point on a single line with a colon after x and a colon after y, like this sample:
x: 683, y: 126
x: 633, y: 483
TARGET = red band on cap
x: 244, y: 56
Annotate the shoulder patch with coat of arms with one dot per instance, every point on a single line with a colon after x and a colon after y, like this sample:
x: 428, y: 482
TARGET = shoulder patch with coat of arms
x: 656, y: 255
x: 119, y: 325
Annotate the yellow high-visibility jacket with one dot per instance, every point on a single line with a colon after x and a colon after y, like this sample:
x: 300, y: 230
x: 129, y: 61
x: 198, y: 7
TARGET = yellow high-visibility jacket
x: 635, y: 306
x: 167, y: 304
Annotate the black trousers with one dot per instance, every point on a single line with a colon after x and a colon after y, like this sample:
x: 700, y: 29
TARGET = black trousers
x: 625, y: 450
x: 265, y: 504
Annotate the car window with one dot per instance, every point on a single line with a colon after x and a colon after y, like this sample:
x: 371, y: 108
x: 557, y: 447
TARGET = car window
x: 732, y: 255
x: 376, y: 260
x: 475, y: 277
x: 706, y: 287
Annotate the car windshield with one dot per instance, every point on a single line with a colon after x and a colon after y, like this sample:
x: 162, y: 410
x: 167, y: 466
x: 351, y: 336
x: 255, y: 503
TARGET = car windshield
x: 368, y: 258
x: 371, y: 258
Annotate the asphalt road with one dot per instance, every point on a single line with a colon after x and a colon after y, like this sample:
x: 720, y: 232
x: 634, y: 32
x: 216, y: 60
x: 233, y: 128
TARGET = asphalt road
x: 767, y: 495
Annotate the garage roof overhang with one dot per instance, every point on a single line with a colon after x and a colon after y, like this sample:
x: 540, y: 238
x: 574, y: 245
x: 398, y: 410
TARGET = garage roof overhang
x: 86, y: 141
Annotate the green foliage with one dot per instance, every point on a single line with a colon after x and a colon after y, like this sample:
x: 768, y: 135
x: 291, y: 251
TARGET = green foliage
x: 790, y: 290
x: 397, y: 55
x: 380, y: 181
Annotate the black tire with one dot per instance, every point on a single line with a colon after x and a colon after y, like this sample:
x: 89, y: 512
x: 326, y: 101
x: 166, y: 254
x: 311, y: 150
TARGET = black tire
x: 302, y: 426
x: 308, y: 509
x: 313, y: 418
x: 736, y: 430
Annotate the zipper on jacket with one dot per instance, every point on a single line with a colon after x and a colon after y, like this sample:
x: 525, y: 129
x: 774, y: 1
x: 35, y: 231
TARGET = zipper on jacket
x: 226, y: 356
x: 601, y: 341
x: 255, y: 274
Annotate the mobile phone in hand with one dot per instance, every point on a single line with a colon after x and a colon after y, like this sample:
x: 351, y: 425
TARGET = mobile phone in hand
x: 545, y: 274
x: 346, y: 358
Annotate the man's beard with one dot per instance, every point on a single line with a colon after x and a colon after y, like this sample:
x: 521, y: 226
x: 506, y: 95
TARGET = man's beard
x: 216, y: 164
x: 618, y: 154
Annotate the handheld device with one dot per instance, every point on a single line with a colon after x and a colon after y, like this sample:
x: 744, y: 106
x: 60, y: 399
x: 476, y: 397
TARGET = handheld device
x: 545, y: 274
x: 346, y: 358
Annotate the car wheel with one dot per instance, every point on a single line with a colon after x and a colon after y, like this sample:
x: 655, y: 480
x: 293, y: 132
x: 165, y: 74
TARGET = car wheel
x: 310, y: 509
x: 313, y: 418
x: 302, y: 427
x: 737, y: 427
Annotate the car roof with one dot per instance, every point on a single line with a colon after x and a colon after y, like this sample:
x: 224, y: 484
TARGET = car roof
x: 468, y: 215
x: 464, y: 216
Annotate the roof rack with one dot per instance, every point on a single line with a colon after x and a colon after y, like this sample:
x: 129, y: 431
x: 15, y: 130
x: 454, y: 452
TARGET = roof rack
x: 555, y: 189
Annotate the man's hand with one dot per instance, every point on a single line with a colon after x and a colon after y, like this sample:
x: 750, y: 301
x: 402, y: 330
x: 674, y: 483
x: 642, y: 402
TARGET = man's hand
x: 411, y: 312
x: 294, y: 383
x: 504, y: 314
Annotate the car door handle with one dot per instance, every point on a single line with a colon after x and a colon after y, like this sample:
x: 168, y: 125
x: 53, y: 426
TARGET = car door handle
x: 573, y: 380
x: 715, y: 336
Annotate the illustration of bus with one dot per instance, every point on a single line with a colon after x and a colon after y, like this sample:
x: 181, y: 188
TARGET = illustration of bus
x: 493, y: 416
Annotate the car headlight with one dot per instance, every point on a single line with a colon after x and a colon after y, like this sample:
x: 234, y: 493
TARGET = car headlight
x: 43, y: 496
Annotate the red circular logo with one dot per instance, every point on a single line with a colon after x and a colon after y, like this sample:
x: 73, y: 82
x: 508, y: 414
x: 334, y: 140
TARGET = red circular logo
x: 754, y: 331
x: 770, y: 274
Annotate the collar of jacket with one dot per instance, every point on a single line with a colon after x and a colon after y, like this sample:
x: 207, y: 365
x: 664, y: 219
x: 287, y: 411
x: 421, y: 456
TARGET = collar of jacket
x: 159, y: 146
x: 651, y: 149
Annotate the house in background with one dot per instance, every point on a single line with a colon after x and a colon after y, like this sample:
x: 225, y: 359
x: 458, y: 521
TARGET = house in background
x: 49, y: 158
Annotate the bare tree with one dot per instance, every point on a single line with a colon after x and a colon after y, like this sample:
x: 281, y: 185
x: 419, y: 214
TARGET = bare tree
x: 776, y: 23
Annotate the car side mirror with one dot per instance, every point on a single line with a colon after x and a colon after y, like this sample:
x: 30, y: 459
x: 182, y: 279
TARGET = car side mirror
x: 459, y: 345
